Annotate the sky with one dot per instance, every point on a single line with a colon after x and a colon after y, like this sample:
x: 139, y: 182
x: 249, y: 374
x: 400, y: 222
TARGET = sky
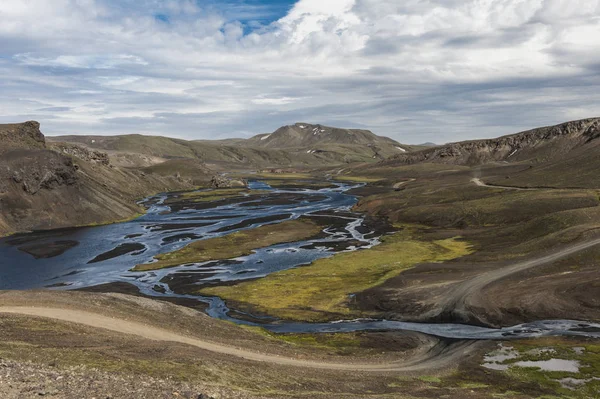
x: 414, y: 70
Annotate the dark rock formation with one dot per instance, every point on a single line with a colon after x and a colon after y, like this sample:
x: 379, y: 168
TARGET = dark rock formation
x: 21, y: 136
x: 35, y: 170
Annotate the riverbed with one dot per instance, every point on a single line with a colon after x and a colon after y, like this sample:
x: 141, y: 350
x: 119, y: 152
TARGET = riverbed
x: 77, y: 258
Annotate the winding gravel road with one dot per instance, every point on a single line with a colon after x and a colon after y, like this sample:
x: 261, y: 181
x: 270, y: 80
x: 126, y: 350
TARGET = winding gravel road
x: 439, y: 357
x: 480, y: 183
x: 465, y: 293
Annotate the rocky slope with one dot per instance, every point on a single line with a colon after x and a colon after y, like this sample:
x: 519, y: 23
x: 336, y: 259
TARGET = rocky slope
x: 538, y: 145
x: 55, y: 185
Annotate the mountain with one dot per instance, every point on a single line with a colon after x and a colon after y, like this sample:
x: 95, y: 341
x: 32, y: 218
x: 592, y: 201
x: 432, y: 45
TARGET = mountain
x: 561, y: 156
x: 297, y: 146
x: 52, y: 185
x: 538, y: 145
x: 307, y: 135
x: 318, y: 140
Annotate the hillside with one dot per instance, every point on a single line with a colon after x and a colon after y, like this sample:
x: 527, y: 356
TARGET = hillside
x: 295, y: 146
x: 538, y: 145
x: 52, y: 185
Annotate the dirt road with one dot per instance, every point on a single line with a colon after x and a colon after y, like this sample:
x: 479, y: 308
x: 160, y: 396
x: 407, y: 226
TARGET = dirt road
x: 480, y: 183
x: 440, y: 357
x: 466, y: 292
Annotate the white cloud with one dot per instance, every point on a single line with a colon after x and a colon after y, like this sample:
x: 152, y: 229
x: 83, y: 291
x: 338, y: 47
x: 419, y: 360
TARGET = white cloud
x: 417, y: 70
x: 274, y: 101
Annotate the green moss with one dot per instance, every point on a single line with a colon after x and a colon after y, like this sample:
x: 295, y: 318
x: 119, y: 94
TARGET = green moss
x: 542, y: 349
x: 321, y: 291
x: 291, y: 176
x: 472, y: 385
x: 359, y: 179
x: 430, y: 379
x: 234, y: 245
x: 338, y: 343
x: 298, y: 183
x: 213, y: 194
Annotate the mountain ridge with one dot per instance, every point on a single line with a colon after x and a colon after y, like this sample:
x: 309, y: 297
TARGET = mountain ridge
x: 546, y: 142
x: 289, y: 146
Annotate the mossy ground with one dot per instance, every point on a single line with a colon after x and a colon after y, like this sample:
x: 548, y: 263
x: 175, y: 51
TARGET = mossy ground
x: 215, y: 195
x: 338, y: 343
x: 236, y: 244
x: 323, y: 290
x: 359, y: 179
x: 309, y: 184
x: 533, y: 381
x: 586, y: 353
x: 279, y: 176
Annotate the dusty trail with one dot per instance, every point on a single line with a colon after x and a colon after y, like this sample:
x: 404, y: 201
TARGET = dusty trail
x: 439, y: 357
x: 465, y: 294
x: 480, y: 183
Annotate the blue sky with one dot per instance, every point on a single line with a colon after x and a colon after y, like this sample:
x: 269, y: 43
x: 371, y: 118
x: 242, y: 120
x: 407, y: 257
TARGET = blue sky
x: 251, y: 13
x: 415, y: 70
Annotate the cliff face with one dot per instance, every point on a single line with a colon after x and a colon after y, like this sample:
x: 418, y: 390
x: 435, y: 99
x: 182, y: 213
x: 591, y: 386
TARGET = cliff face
x: 539, y: 144
x: 21, y: 136
x: 60, y: 185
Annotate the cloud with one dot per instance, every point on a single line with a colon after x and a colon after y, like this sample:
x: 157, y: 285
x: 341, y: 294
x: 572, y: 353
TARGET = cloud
x: 417, y: 70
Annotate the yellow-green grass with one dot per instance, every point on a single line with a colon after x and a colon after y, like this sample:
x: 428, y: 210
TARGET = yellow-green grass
x: 299, y: 183
x: 236, y: 244
x: 215, y: 195
x: 360, y: 179
x: 321, y: 291
x: 284, y: 175
x: 340, y: 343
x: 586, y: 352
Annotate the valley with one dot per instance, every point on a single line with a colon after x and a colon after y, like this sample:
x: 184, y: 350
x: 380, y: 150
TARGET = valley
x: 410, y: 267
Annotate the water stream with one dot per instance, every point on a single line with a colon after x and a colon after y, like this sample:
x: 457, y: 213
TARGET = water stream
x: 106, y: 254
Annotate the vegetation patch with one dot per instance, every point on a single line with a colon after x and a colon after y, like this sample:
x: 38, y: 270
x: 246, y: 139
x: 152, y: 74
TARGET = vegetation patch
x: 280, y: 176
x: 213, y: 195
x: 359, y: 179
x: 324, y: 289
x: 583, y: 383
x: 536, y: 368
x: 310, y: 184
x: 430, y: 379
x: 337, y: 343
x: 236, y: 244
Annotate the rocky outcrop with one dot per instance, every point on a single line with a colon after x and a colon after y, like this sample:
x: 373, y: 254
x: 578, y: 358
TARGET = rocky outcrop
x: 543, y: 143
x: 21, y: 136
x: 82, y: 153
x: 36, y: 170
x: 219, y: 181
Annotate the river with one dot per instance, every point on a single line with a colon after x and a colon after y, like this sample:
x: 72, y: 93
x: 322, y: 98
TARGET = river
x: 76, y: 258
